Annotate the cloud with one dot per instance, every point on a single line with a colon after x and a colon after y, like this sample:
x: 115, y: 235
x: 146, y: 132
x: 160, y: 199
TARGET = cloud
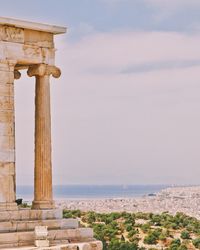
x: 181, y: 12
x: 173, y: 4
x: 112, y: 2
x: 169, y: 4
x: 119, y: 52
x: 112, y: 127
x: 80, y: 30
x: 148, y: 67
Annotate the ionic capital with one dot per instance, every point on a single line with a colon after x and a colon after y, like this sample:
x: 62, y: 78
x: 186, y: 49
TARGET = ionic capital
x: 17, y: 74
x: 43, y: 69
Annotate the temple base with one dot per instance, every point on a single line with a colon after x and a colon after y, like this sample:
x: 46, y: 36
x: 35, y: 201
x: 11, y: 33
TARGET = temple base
x: 8, y: 206
x: 43, y: 205
x: 17, y: 229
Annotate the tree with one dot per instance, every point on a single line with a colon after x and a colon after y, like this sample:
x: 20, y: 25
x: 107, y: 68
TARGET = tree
x: 131, y: 233
x: 175, y: 244
x: 150, y: 239
x: 185, y: 235
x: 129, y: 228
x: 182, y: 247
x: 145, y: 227
x: 196, y: 243
x: 116, y: 245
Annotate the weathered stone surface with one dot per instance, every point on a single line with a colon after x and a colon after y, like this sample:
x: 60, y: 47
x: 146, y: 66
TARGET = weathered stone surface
x: 6, y: 182
x: 7, y: 156
x: 38, y: 38
x: 6, y: 129
x: 27, y: 238
x: 11, y: 34
x: 69, y: 223
x: 8, y: 206
x: 42, y: 243
x: 7, y: 168
x: 84, y: 246
x: 7, y: 116
x: 7, y: 142
x: 6, y: 90
x: 26, y: 54
x: 41, y: 232
x: 53, y: 29
x: 30, y: 215
x: 6, y: 77
x: 96, y: 245
x: 67, y: 246
x: 6, y: 102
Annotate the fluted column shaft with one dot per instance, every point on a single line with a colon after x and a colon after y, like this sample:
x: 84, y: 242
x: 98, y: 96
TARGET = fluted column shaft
x: 43, y: 168
x: 43, y: 197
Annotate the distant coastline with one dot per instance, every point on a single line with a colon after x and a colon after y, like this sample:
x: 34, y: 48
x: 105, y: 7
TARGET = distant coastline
x: 94, y: 191
x: 171, y: 199
x: 138, y: 198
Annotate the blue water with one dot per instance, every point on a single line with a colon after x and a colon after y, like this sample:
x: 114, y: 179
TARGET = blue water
x: 93, y: 191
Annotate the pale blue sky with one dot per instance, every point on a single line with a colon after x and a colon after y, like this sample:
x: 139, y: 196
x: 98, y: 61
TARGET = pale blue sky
x: 127, y: 107
x: 109, y: 15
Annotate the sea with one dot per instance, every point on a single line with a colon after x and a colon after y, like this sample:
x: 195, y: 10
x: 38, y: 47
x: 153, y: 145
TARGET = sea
x: 70, y: 192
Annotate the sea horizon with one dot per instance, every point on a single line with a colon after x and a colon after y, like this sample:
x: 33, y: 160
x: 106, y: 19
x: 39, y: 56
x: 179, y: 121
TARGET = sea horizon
x: 62, y: 192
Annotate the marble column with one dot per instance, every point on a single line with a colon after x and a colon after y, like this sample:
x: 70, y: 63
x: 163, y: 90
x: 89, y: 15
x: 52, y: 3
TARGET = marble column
x: 7, y: 135
x: 43, y: 197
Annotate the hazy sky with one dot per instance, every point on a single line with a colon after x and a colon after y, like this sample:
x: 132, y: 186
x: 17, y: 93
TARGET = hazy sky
x: 127, y: 107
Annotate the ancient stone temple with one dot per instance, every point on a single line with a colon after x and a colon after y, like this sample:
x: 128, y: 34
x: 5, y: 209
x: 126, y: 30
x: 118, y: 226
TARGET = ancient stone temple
x: 28, y: 45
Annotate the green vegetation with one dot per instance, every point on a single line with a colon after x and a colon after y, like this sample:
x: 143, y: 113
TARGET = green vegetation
x: 196, y: 243
x: 185, y: 235
x: 24, y: 205
x: 140, y: 231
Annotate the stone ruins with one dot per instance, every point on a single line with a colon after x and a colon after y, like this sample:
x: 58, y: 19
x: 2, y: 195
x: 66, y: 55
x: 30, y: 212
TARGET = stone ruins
x: 28, y: 45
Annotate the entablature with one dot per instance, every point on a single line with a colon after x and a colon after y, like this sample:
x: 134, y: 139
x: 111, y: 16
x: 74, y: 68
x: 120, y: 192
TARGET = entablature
x: 28, y: 42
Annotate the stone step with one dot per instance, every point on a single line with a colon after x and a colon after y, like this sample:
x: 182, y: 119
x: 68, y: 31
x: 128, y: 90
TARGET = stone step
x: 92, y: 245
x: 16, y: 239
x: 29, y: 214
x: 17, y: 226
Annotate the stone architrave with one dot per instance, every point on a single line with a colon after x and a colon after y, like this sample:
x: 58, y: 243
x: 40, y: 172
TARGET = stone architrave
x: 26, y: 45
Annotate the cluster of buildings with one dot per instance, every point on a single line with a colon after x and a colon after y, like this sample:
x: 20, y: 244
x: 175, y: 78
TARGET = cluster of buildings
x: 178, y: 199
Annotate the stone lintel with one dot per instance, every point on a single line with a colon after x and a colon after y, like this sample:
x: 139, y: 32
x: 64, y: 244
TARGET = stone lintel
x: 24, y: 54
